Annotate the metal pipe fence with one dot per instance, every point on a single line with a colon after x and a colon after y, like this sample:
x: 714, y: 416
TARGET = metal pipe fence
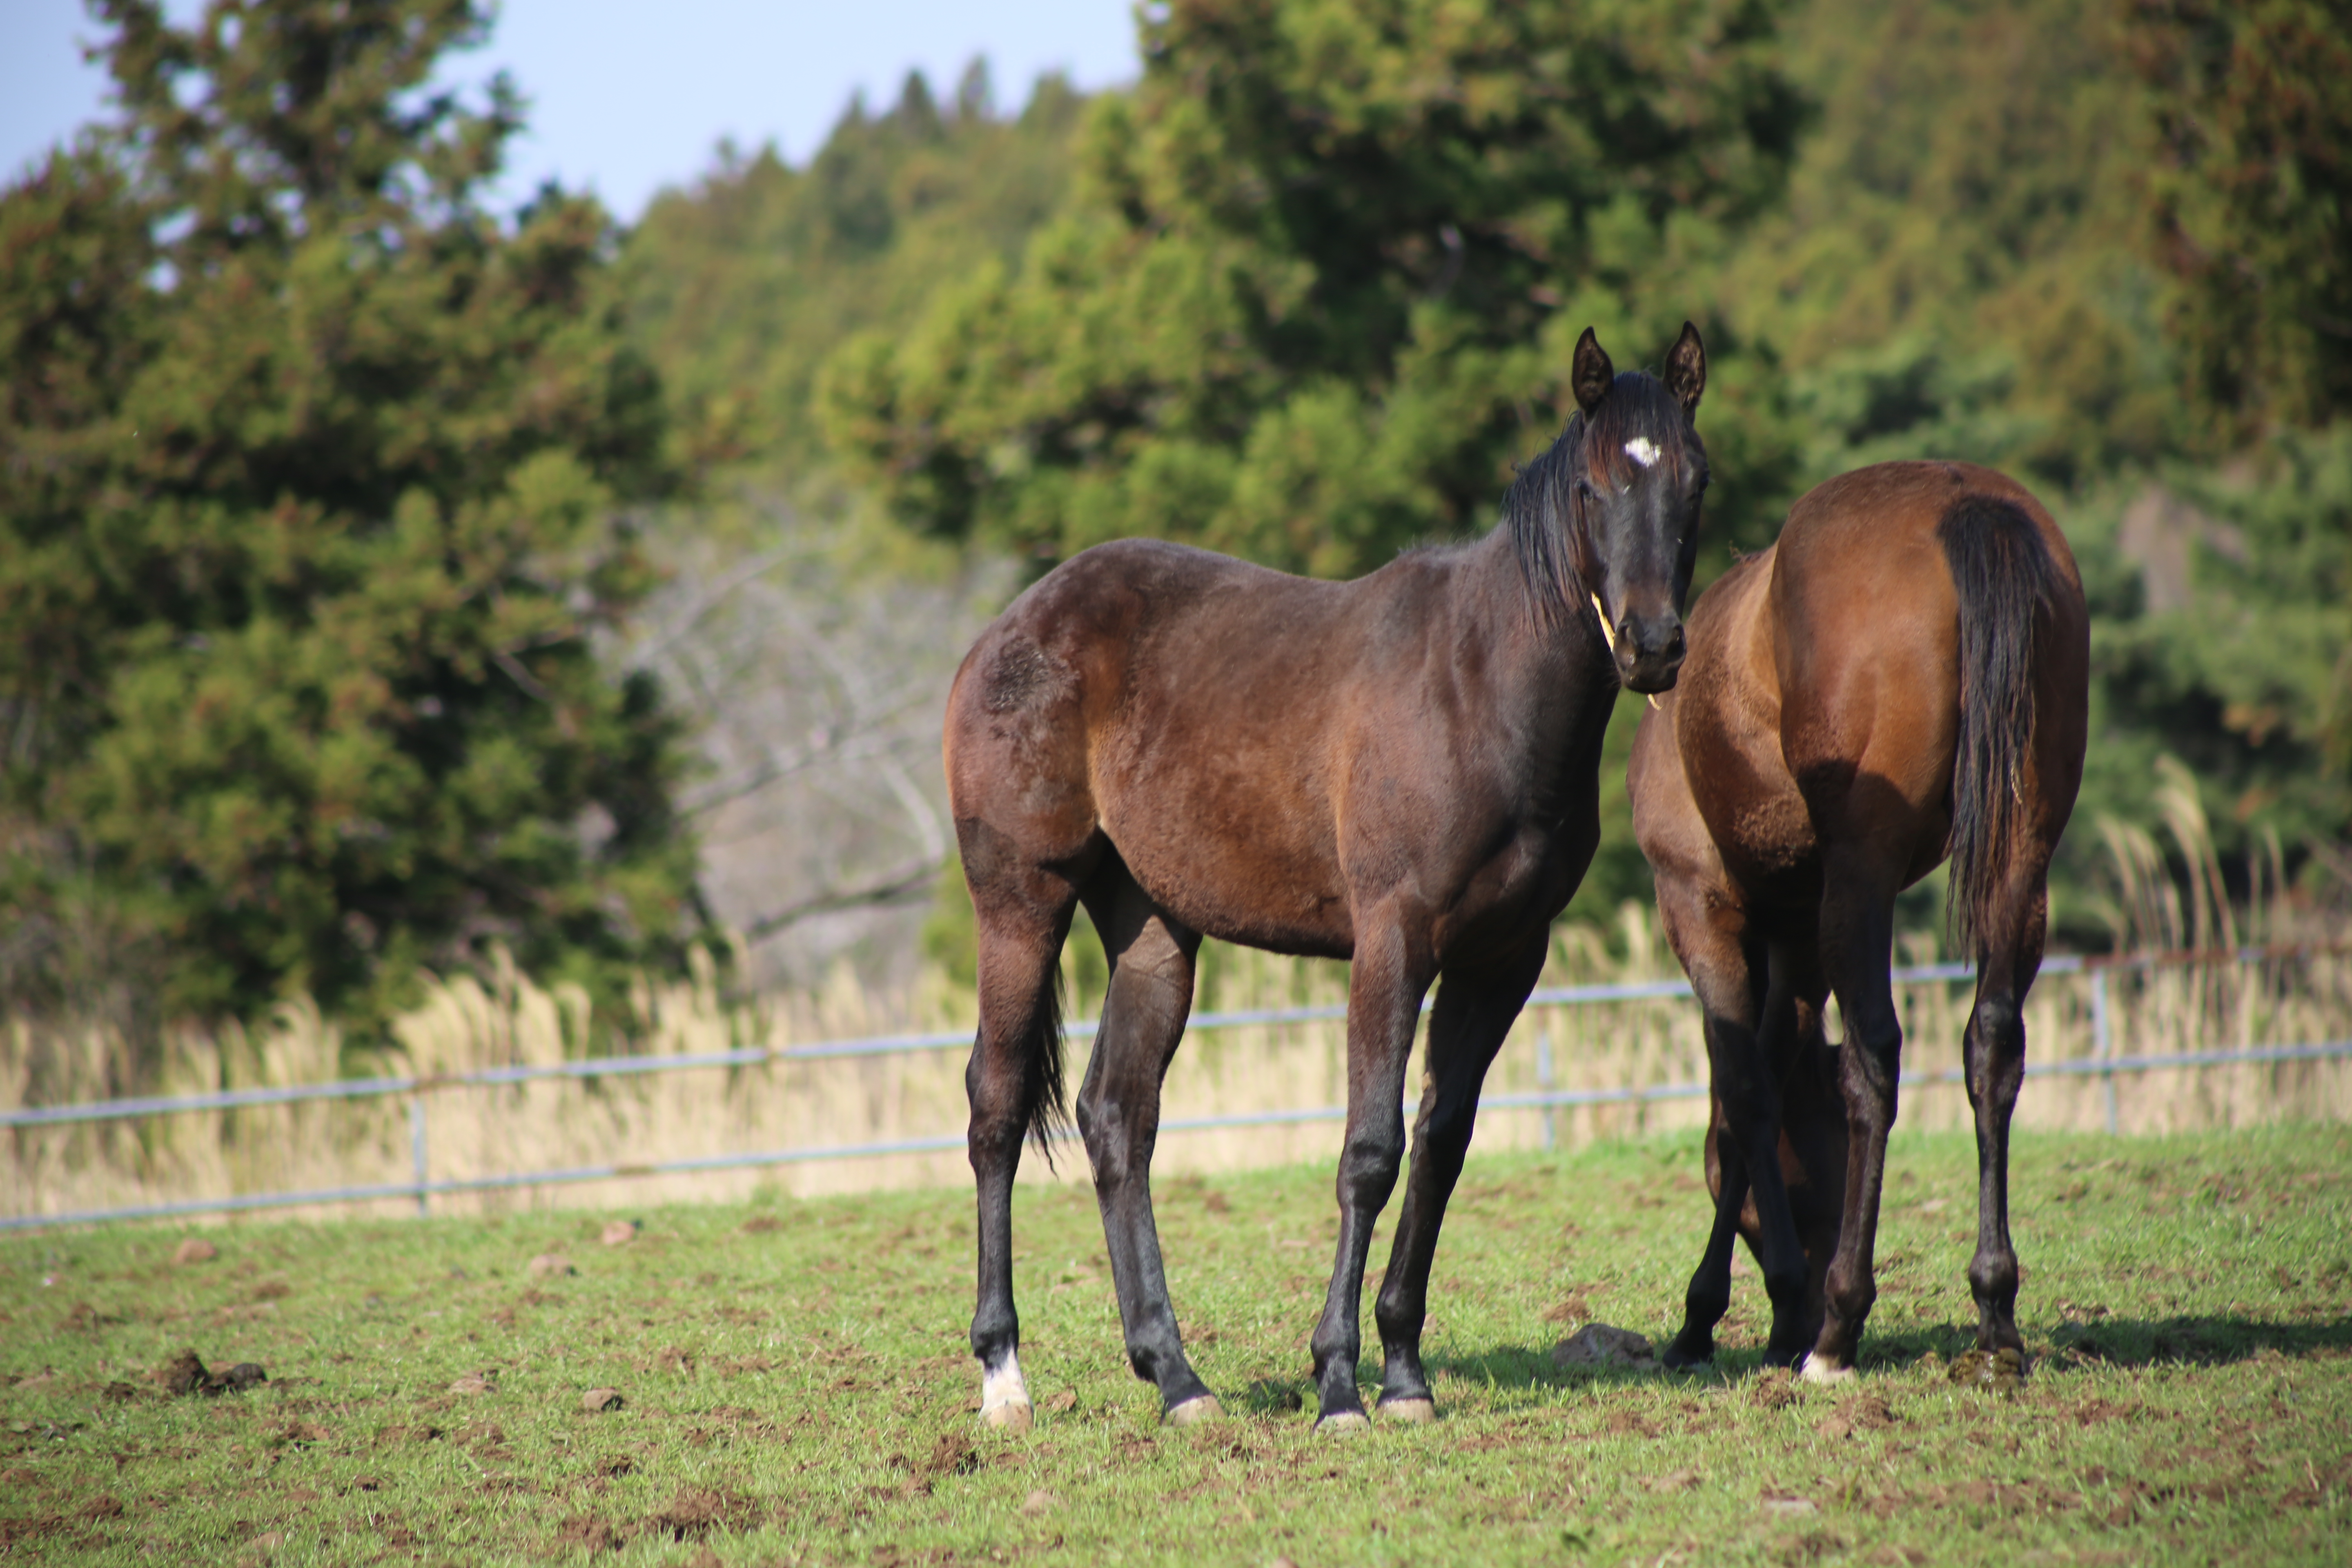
x: 2102, y: 1063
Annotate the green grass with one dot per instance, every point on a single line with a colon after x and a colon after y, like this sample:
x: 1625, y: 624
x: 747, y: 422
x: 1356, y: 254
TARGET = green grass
x: 797, y: 1389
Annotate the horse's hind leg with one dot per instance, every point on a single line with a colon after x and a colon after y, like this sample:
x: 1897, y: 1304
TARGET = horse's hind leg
x: 1023, y: 914
x: 1150, y: 993
x: 1993, y: 1052
x: 1857, y: 949
x: 1466, y: 1029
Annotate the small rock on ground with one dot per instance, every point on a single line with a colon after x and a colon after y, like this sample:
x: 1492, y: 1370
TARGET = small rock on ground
x: 195, y: 1249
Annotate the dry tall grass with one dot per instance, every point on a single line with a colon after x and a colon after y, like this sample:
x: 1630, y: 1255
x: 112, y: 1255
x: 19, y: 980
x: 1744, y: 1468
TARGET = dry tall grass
x: 467, y: 1025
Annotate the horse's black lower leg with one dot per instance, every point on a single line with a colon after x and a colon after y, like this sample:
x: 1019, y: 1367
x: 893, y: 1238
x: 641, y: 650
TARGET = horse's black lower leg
x: 1857, y: 941
x: 1119, y: 1112
x: 1466, y: 1029
x: 1019, y: 1019
x: 1709, y: 1297
x: 1994, y: 1058
x: 1744, y: 1082
x: 1384, y: 991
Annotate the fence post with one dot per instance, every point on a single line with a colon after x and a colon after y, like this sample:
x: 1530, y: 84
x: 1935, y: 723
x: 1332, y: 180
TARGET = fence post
x: 416, y: 1149
x: 2102, y: 1041
x: 1543, y: 1081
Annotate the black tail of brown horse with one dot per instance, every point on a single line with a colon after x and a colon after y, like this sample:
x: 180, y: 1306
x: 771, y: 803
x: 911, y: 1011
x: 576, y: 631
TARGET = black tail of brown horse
x: 2007, y: 581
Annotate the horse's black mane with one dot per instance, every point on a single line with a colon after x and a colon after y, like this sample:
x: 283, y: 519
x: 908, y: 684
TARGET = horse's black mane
x: 1540, y: 505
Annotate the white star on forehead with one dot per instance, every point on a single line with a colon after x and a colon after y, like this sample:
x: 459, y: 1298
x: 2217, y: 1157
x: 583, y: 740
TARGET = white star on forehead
x: 1642, y: 450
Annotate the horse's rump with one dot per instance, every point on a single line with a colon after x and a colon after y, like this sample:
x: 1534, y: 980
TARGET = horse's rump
x: 2007, y: 582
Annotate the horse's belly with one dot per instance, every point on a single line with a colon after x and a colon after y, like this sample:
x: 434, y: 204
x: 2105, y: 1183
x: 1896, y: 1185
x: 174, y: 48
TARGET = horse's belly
x: 1257, y: 890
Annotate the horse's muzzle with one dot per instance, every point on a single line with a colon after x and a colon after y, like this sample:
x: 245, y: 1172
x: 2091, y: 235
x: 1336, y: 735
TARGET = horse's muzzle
x: 1649, y: 652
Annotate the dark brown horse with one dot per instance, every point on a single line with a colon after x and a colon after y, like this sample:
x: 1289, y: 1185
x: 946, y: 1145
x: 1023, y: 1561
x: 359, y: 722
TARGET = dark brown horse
x: 1905, y: 673
x: 1401, y: 771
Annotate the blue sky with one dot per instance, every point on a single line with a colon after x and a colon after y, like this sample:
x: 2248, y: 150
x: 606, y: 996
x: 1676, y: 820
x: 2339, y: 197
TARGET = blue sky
x: 628, y: 97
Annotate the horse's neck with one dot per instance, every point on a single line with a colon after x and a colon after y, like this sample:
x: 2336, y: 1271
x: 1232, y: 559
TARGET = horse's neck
x: 1552, y: 672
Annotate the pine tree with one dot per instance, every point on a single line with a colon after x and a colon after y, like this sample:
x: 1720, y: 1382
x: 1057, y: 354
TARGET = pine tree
x: 308, y: 474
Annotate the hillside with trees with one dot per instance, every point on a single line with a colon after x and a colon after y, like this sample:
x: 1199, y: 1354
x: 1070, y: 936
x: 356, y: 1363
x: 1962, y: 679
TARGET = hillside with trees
x: 384, y: 580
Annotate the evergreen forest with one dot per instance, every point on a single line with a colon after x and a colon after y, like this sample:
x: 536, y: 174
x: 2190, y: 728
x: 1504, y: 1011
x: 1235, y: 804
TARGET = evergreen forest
x: 354, y: 536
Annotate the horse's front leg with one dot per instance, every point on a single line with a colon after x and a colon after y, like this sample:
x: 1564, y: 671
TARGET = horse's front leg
x: 1466, y: 1029
x: 1385, y: 985
x: 1709, y: 1296
x: 1730, y: 971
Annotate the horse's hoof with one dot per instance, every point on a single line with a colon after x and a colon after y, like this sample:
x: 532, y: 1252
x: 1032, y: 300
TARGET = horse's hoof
x: 1413, y: 1412
x: 1343, y: 1424
x: 1674, y: 1359
x: 1813, y: 1369
x: 1010, y: 1415
x: 1193, y: 1412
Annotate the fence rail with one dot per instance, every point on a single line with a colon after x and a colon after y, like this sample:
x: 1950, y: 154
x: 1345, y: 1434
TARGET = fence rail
x: 2103, y: 1064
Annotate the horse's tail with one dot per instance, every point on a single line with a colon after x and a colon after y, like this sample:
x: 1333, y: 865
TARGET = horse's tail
x: 2006, y: 580
x: 1043, y: 1112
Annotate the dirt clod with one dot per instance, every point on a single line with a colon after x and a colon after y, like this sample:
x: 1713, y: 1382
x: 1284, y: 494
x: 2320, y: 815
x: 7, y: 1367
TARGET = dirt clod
x: 483, y: 1382
x: 1773, y: 1389
x: 195, y: 1249
x: 1066, y: 1400
x: 1039, y: 1502
x: 548, y: 1265
x: 100, y: 1507
x: 597, y: 1401
x: 1601, y: 1345
x: 763, y: 1225
x: 620, y: 1232
x: 186, y: 1373
x: 1996, y: 1372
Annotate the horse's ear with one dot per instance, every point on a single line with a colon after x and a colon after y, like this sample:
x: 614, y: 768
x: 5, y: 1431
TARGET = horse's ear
x: 1686, y: 369
x: 1590, y: 374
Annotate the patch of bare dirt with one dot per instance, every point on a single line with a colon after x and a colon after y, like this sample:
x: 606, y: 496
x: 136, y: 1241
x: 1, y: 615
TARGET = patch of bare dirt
x: 1774, y: 1388
x: 698, y: 1512
x: 585, y: 1532
x: 1625, y: 1424
x: 195, y: 1249
x: 763, y: 1225
x: 1858, y: 1413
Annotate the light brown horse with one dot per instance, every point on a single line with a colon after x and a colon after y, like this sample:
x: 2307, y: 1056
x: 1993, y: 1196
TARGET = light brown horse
x: 1904, y: 674
x: 1401, y: 771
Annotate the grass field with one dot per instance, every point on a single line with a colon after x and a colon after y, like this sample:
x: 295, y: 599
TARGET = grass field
x: 794, y: 1386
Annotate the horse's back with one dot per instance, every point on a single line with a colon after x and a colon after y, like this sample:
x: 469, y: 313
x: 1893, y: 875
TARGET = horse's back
x: 1197, y: 712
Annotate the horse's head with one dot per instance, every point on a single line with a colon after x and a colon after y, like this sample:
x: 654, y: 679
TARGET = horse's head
x: 1634, y: 487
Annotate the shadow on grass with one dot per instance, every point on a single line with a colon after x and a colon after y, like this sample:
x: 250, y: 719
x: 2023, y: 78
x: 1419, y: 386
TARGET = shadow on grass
x: 2214, y: 1341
